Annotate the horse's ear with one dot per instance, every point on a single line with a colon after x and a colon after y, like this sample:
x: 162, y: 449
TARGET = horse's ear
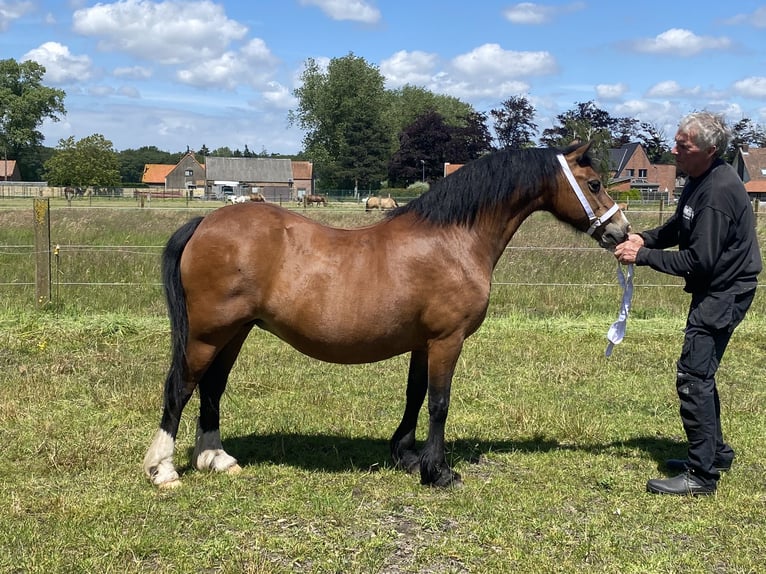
x: 579, y: 152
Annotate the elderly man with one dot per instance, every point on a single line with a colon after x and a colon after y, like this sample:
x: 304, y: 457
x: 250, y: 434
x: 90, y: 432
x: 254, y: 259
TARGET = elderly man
x: 719, y: 258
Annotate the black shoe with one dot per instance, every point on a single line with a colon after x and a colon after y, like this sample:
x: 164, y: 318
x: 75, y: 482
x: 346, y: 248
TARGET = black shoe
x: 679, y: 465
x: 684, y: 485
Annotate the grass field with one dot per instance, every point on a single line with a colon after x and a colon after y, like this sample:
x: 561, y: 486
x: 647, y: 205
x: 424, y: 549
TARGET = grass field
x: 554, y: 441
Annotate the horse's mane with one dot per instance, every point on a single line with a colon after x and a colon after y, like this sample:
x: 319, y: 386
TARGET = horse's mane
x: 483, y: 184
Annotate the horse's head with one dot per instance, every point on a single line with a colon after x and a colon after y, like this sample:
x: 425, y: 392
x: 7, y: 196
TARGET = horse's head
x: 583, y: 202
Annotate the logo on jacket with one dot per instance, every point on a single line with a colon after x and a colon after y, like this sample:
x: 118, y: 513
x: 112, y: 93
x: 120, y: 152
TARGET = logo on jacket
x: 688, y: 213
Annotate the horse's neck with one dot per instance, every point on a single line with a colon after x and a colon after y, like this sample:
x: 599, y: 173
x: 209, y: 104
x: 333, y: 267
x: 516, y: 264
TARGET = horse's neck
x: 497, y: 228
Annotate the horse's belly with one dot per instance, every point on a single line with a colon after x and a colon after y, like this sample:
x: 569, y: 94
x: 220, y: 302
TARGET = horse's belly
x: 338, y: 346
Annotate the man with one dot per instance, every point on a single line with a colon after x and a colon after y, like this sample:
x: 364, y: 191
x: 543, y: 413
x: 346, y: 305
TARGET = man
x: 719, y: 258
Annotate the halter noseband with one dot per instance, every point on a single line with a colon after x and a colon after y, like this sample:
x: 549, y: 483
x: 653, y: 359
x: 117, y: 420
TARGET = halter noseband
x: 595, y: 222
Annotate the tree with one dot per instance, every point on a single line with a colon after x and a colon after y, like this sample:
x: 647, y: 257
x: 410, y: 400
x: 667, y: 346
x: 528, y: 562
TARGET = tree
x: 133, y: 161
x: 513, y: 123
x: 429, y: 142
x: 90, y: 161
x: 655, y: 143
x: 203, y: 152
x: 342, y: 112
x: 406, y: 104
x: 469, y: 140
x: 24, y: 103
x: 744, y: 133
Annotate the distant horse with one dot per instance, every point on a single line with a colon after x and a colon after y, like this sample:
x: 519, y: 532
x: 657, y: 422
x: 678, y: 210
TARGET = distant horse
x: 72, y: 192
x: 257, y: 197
x: 315, y: 200
x: 425, y: 271
x: 382, y: 203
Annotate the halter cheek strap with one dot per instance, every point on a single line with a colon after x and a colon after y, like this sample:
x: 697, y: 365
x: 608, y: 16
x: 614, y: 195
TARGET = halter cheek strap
x: 595, y: 222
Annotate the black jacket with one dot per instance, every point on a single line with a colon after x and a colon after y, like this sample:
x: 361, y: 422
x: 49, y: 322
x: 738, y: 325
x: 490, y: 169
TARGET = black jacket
x: 714, y: 229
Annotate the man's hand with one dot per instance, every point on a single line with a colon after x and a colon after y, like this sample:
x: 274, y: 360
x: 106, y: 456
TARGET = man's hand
x: 626, y: 251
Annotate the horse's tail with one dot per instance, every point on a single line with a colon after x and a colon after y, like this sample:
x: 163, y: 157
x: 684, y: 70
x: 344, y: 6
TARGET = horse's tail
x: 179, y: 320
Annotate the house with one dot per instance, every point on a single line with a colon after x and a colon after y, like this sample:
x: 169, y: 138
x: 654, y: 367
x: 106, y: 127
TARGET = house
x: 750, y: 164
x: 271, y: 177
x: 630, y: 168
x: 303, y: 178
x: 451, y: 168
x: 9, y: 170
x: 186, y: 177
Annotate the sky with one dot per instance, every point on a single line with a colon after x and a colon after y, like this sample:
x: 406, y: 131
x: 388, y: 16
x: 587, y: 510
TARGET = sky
x: 180, y: 74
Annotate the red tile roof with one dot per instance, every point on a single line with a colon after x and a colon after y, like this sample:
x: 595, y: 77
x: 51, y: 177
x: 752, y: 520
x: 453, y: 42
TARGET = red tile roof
x: 156, y: 173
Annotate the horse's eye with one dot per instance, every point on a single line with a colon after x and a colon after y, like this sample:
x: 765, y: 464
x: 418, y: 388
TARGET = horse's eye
x: 594, y: 185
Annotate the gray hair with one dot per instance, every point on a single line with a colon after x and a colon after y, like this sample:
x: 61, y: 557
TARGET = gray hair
x: 706, y: 129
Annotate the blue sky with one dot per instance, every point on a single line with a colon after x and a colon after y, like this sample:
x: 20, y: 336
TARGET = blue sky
x: 178, y: 73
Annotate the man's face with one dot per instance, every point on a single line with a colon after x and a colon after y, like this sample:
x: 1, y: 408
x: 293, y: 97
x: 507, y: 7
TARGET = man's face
x: 690, y: 158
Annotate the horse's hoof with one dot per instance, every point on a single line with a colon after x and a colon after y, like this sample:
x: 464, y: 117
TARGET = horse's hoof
x: 170, y: 485
x: 234, y: 469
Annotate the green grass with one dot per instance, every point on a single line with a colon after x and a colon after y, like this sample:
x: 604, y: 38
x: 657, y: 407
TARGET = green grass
x: 554, y: 441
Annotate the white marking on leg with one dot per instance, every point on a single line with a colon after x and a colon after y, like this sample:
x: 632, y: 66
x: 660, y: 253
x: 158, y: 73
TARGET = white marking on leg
x: 158, y: 461
x: 209, y: 453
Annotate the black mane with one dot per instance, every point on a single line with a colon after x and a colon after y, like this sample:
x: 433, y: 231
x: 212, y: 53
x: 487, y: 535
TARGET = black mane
x: 482, y: 184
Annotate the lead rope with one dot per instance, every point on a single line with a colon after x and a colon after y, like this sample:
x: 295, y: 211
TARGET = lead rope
x: 617, y: 330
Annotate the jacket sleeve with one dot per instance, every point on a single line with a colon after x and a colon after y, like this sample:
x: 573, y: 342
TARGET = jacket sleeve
x: 664, y: 236
x: 697, y: 261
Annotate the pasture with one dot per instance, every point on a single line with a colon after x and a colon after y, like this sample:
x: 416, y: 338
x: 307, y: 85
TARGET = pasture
x: 554, y: 441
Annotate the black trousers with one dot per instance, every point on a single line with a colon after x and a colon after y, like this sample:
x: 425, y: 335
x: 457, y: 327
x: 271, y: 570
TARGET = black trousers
x: 709, y: 326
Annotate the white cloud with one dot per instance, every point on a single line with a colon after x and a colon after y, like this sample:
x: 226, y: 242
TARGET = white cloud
x: 169, y: 32
x: 611, y: 91
x: 253, y: 64
x: 757, y: 19
x: 752, y: 87
x: 61, y: 67
x: 133, y: 72
x: 531, y: 13
x: 10, y: 11
x: 680, y: 42
x: 404, y: 67
x: 356, y: 10
x: 491, y: 62
x: 278, y: 96
x: 671, y: 89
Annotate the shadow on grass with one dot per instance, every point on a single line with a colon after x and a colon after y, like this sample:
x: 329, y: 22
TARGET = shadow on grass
x: 335, y: 453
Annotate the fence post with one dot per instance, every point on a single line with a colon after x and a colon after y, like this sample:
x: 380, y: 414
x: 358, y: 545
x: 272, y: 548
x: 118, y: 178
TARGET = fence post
x: 42, y: 222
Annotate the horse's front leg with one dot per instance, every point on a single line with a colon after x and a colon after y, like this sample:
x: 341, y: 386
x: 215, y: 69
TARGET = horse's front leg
x: 442, y: 358
x: 403, y: 451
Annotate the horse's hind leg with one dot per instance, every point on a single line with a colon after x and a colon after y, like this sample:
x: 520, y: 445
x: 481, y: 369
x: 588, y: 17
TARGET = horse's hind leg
x: 208, y: 449
x: 184, y: 374
x: 403, y: 450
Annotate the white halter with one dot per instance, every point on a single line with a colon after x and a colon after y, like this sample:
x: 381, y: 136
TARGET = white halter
x: 617, y: 330
x: 595, y: 222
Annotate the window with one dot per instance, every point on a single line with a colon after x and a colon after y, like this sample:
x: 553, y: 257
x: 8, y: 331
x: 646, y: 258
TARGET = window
x: 642, y: 173
x: 188, y: 173
x: 631, y: 172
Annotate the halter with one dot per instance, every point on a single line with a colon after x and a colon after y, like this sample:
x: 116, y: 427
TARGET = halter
x: 617, y: 331
x: 595, y: 222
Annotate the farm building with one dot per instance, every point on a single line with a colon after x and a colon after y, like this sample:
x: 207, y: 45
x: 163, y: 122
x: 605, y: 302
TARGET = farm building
x: 271, y: 177
x: 750, y: 164
x: 9, y: 170
x: 187, y: 176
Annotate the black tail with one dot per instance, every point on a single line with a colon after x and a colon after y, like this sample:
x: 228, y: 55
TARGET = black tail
x: 179, y: 323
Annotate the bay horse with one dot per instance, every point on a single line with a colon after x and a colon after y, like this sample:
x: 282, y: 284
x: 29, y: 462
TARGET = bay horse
x: 316, y: 200
x: 425, y: 270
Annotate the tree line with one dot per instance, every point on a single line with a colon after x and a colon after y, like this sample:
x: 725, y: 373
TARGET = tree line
x: 358, y: 133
